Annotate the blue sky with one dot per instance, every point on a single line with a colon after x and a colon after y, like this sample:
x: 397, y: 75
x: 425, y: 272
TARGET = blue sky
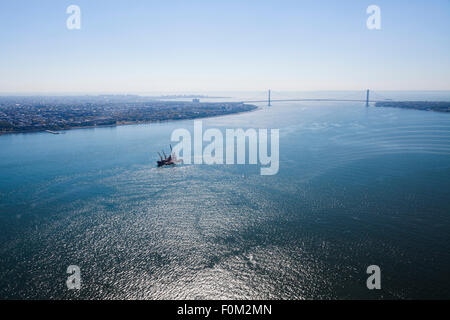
x: 194, y: 45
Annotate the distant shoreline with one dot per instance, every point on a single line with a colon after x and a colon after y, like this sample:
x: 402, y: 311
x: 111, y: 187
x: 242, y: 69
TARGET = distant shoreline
x: 436, y: 106
x: 127, y: 123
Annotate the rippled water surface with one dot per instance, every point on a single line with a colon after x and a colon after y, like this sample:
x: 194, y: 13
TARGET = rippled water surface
x: 357, y: 186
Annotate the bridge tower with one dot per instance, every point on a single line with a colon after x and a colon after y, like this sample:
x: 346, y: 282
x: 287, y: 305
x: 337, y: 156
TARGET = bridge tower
x: 269, y: 104
x: 367, y: 97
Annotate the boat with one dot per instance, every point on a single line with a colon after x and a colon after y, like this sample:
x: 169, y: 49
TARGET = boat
x: 170, y: 160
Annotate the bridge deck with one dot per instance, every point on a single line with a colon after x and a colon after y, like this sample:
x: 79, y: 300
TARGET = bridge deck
x: 292, y: 100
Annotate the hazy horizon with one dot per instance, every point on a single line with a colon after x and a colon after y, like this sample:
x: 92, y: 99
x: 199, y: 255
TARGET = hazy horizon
x: 206, y: 92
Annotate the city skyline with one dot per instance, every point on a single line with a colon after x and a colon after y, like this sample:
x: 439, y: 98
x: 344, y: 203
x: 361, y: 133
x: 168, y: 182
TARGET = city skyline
x: 200, y: 46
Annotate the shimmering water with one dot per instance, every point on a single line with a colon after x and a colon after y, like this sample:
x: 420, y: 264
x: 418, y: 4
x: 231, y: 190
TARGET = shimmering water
x: 357, y: 186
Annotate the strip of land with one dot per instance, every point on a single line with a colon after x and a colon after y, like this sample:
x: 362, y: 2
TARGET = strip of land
x: 438, y: 106
x: 51, y: 114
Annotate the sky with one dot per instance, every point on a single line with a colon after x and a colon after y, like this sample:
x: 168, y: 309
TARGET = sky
x: 139, y: 46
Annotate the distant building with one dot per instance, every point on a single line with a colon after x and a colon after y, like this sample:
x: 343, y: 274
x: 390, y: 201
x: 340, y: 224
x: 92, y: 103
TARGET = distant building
x: 196, y: 100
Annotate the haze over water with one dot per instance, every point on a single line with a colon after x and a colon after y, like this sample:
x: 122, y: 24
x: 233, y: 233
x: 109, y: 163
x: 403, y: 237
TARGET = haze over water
x: 357, y: 186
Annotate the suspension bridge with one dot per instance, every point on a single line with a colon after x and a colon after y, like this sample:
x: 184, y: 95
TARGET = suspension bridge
x: 367, y: 99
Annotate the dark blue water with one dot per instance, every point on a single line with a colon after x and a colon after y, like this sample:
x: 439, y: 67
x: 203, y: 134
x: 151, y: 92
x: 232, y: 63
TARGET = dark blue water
x: 357, y: 186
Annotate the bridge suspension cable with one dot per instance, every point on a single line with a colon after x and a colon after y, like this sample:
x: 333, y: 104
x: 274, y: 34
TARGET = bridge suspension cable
x: 367, y: 99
